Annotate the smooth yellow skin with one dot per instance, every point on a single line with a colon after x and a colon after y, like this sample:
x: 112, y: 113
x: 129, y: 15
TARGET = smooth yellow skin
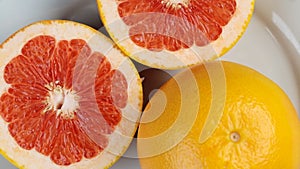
x: 255, y: 108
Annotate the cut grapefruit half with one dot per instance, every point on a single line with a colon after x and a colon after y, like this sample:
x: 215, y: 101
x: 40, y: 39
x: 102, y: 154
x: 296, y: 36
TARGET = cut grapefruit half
x: 69, y: 98
x: 171, y: 34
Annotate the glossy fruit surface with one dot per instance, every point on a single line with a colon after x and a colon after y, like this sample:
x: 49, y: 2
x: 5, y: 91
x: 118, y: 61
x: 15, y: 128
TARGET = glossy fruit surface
x: 232, y: 117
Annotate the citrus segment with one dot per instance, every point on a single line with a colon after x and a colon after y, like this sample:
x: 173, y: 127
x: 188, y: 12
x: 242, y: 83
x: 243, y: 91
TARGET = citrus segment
x: 65, y: 99
x: 39, y: 52
x: 172, y: 34
x: 207, y: 17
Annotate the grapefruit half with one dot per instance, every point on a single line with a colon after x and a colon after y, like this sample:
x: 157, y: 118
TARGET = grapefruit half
x: 171, y: 34
x: 69, y: 98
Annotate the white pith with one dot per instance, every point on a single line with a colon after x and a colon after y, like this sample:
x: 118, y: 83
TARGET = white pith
x: 63, y: 101
x: 175, y: 3
x: 122, y: 136
x: 183, y: 57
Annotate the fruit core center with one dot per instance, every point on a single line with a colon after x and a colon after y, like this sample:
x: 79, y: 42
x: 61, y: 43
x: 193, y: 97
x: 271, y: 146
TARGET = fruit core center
x: 176, y: 3
x: 63, y: 101
x: 235, y: 137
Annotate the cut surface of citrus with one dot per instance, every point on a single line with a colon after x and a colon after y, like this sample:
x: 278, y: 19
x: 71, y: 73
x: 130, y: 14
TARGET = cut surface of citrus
x: 175, y: 33
x: 69, y: 98
x: 259, y: 127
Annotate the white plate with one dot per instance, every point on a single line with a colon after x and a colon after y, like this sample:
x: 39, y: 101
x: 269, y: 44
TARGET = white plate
x: 270, y: 45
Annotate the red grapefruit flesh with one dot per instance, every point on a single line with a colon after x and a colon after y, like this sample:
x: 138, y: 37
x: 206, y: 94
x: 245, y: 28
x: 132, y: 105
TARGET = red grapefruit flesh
x: 203, y: 19
x: 64, y: 99
x: 170, y: 34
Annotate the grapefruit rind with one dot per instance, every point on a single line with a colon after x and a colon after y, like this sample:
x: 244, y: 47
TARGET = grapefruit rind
x: 232, y: 32
x: 245, y: 26
x: 123, y: 134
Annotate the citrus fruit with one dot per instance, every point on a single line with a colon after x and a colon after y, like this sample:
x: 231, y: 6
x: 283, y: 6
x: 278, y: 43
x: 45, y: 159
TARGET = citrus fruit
x: 258, y: 128
x: 69, y: 98
x: 175, y: 33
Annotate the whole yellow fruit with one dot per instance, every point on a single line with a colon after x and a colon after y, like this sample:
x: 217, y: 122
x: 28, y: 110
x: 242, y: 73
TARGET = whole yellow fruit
x: 219, y: 115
